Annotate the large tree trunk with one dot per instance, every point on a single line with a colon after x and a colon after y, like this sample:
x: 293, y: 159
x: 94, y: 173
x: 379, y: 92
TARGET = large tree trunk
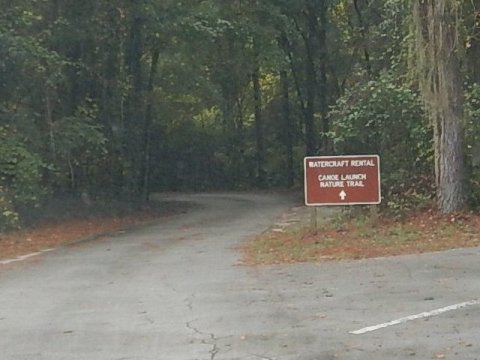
x: 439, y: 67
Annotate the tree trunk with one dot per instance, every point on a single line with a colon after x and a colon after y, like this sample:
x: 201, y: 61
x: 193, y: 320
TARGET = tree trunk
x: 439, y: 66
x: 322, y: 81
x: 310, y: 129
x: 259, y: 138
x: 288, y: 129
x: 285, y: 44
x: 135, y: 105
x: 145, y: 169
x: 363, y: 33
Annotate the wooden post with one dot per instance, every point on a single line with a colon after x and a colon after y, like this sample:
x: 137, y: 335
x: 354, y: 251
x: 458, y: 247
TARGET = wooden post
x: 374, y: 215
x: 313, y: 219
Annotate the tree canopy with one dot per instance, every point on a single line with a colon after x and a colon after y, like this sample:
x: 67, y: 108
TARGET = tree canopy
x: 125, y: 98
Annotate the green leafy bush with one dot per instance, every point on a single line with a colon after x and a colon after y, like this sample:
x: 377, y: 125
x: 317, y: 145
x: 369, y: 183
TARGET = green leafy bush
x: 386, y: 118
x: 79, y: 146
x: 20, y: 178
x: 8, y: 216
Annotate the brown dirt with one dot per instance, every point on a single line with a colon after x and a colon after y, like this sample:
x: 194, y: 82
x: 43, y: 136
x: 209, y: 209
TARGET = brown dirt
x: 361, y: 237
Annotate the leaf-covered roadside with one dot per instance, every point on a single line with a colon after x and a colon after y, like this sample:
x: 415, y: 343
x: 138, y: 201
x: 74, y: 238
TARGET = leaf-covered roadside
x: 360, y: 237
x: 64, y: 226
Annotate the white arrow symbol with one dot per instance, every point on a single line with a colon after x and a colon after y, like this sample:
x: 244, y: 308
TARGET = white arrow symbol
x: 343, y: 195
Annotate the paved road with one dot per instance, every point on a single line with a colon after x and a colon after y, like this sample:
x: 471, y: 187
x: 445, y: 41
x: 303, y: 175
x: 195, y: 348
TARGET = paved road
x: 175, y: 291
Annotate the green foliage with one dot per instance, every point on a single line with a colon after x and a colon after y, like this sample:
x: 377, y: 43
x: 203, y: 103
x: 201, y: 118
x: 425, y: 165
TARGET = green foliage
x: 20, y: 178
x: 9, y: 218
x: 386, y: 118
x: 79, y: 146
x: 472, y: 117
x: 80, y: 91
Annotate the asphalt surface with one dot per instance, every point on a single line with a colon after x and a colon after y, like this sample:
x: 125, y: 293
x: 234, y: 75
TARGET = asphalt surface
x: 176, y: 291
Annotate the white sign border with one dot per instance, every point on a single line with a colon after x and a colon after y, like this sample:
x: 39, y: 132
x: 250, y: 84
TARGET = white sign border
x: 339, y: 157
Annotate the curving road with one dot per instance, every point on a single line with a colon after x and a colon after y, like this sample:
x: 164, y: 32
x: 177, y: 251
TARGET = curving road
x: 175, y: 291
x: 141, y: 295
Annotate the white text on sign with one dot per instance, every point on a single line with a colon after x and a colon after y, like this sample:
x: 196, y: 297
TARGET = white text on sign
x: 340, y: 163
x: 341, y: 180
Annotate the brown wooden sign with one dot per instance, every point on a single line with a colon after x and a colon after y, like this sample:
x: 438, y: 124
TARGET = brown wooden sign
x: 342, y: 180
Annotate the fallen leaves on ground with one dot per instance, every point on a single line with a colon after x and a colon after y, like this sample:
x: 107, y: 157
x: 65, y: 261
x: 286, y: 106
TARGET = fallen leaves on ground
x: 361, y: 237
x: 53, y: 233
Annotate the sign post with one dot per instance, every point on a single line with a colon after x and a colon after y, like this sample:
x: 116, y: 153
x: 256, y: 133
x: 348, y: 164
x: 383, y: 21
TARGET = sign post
x: 342, y: 180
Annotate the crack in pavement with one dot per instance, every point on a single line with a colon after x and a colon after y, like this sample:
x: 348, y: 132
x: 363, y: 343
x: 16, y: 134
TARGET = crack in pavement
x: 215, y: 350
x: 189, y: 301
x: 207, y: 339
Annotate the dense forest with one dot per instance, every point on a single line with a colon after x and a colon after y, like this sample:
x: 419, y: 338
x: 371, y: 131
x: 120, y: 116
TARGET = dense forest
x: 122, y: 98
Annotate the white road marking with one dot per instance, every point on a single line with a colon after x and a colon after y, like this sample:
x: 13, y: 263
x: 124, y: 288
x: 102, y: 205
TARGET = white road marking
x: 24, y: 257
x: 417, y: 316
